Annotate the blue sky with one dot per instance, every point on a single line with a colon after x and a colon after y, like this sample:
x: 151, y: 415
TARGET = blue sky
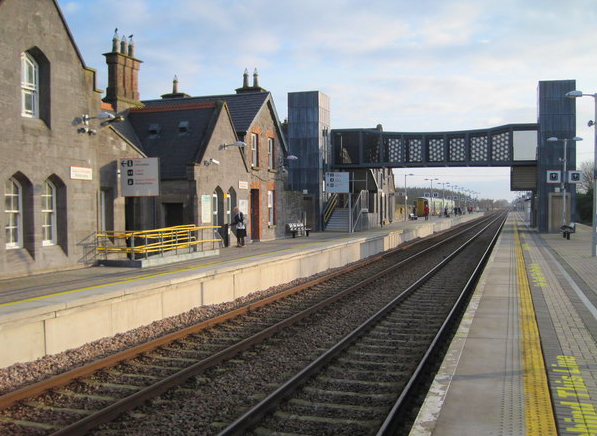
x: 429, y: 65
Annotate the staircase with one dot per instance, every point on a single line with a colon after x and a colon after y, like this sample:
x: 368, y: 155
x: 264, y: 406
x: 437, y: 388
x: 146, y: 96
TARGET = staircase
x: 338, y: 221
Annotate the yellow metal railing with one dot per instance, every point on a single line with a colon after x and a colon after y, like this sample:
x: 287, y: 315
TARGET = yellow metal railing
x: 329, y: 208
x: 143, y: 243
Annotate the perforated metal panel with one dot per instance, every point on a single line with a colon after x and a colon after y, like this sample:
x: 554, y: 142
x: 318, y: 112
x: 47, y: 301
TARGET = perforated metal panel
x: 394, y: 149
x: 479, y: 149
x: 500, y: 147
x: 376, y: 148
x: 457, y: 151
x: 414, y: 150
x: 436, y: 150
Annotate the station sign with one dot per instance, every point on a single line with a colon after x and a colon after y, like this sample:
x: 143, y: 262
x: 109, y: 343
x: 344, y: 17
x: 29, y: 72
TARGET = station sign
x: 140, y: 177
x: 337, y: 182
x: 575, y: 177
x: 81, y: 173
x: 554, y: 176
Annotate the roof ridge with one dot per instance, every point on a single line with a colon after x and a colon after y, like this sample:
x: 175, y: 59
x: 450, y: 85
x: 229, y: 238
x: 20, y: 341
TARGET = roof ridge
x: 169, y: 107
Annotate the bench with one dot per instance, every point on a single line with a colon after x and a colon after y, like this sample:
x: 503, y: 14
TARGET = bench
x: 412, y: 216
x: 567, y: 230
x: 298, y: 228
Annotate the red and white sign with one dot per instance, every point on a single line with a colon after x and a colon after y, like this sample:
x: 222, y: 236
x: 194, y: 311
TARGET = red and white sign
x: 81, y: 173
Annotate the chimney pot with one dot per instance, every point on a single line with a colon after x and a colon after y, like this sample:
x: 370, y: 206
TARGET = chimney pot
x: 123, y: 45
x: 246, y: 79
x: 255, y: 79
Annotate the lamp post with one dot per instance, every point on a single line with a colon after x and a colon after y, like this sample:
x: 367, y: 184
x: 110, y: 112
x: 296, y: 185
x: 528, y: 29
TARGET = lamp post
x: 563, y: 180
x: 431, y: 194
x: 444, y: 184
x: 577, y: 94
x: 405, y: 198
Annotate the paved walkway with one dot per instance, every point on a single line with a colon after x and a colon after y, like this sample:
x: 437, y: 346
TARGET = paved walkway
x: 524, y: 361
x: 39, y: 285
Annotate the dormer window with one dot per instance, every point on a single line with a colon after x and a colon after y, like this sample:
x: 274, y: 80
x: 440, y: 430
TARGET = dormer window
x: 183, y: 128
x: 154, y: 130
x: 29, y: 86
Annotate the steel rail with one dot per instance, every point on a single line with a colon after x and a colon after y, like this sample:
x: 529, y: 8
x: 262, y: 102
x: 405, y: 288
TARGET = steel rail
x: 115, y: 409
x: 127, y: 403
x: 253, y: 415
x: 391, y: 423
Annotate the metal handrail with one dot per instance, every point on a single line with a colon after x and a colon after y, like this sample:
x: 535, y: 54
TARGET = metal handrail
x: 329, y: 208
x: 155, y: 241
x: 357, y: 209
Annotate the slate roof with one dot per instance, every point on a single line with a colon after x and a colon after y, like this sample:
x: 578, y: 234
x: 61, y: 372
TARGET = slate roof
x: 243, y: 107
x: 158, y: 130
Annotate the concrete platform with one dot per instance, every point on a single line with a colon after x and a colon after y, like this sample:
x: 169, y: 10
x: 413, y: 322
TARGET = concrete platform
x: 50, y: 313
x: 524, y: 361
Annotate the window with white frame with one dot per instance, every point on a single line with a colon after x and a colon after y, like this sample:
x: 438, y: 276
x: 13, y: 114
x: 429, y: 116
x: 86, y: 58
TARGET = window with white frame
x: 29, y: 86
x: 13, y: 203
x: 270, y: 207
x: 214, y: 209
x: 48, y: 212
x: 270, y: 153
x: 254, y: 150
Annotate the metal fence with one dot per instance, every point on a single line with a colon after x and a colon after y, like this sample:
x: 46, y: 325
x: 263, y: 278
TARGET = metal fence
x: 158, y: 242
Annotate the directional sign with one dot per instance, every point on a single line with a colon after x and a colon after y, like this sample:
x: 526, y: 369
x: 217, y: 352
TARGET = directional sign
x: 337, y: 182
x: 554, y: 176
x: 575, y: 177
x: 140, y: 177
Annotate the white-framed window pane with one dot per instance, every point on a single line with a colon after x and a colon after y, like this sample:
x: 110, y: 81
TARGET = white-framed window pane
x: 29, y: 86
x: 228, y: 208
x: 270, y: 151
x: 12, y: 210
x: 270, y: 207
x: 254, y: 150
x: 48, y: 211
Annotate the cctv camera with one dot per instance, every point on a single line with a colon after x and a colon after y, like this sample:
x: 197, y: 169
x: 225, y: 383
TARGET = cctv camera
x: 214, y: 161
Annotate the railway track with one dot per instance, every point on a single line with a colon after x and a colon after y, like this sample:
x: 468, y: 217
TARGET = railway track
x: 184, y: 363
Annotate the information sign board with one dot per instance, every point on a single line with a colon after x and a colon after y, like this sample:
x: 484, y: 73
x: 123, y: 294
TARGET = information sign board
x: 337, y: 182
x: 140, y: 177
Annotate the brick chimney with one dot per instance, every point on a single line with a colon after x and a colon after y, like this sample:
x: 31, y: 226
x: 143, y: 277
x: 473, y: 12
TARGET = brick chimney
x: 123, y: 84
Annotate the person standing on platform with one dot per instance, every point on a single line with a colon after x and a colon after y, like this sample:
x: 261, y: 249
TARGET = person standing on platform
x: 426, y: 212
x: 241, y: 227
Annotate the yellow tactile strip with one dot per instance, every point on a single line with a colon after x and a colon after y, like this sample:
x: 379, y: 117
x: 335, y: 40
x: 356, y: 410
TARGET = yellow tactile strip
x: 539, y: 415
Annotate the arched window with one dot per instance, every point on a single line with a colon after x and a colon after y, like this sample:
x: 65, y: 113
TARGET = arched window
x: 29, y: 86
x: 231, y: 204
x: 13, y: 207
x: 214, y: 208
x: 48, y: 211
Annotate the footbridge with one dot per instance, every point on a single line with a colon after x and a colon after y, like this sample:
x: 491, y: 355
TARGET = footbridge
x: 508, y: 145
x: 523, y: 147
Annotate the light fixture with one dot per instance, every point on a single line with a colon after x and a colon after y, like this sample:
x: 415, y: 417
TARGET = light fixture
x: 291, y: 157
x: 234, y: 144
x: 106, y: 117
x: 211, y: 161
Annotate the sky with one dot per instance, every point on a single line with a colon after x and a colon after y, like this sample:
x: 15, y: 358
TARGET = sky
x: 411, y: 66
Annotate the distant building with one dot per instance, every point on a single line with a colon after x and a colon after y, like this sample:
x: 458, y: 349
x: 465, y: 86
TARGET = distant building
x: 203, y: 176
x: 308, y: 130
